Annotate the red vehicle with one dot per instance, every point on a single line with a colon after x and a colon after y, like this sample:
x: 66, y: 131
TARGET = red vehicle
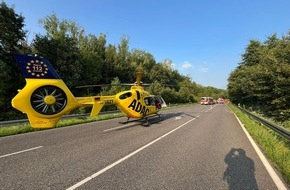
x: 206, y: 101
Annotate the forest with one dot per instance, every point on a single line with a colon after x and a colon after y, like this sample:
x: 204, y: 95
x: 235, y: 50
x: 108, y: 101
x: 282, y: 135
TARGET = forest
x: 83, y: 59
x: 261, y: 82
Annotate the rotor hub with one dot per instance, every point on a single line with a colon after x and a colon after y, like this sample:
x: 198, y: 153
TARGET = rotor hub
x: 49, y: 100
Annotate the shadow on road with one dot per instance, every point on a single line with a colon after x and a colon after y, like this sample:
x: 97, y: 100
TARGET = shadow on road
x: 240, y: 173
x: 154, y: 119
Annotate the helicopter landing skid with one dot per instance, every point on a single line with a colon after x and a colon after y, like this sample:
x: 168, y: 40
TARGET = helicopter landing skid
x: 147, y: 123
x: 125, y: 122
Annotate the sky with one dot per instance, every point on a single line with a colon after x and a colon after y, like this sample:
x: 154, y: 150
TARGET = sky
x: 203, y: 38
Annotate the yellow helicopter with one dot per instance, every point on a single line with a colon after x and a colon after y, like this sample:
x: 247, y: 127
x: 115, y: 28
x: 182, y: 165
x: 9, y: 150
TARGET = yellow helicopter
x: 45, y: 97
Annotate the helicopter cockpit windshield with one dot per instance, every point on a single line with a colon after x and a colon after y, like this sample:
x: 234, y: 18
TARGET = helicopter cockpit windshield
x: 125, y: 95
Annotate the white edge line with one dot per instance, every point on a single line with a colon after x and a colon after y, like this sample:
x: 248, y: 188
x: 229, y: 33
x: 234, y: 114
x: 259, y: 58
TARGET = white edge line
x: 278, y: 182
x: 124, y: 158
x: 6, y: 155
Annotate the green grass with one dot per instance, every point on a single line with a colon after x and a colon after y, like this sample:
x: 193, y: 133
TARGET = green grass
x: 26, y: 128
x: 274, y: 146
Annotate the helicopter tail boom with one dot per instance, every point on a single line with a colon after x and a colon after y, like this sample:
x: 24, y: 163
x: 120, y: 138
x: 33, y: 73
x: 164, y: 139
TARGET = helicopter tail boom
x: 97, y: 102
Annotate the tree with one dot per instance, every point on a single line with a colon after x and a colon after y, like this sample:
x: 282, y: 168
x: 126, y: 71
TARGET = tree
x: 122, y: 66
x: 262, y: 79
x: 11, y: 33
x: 169, y: 95
x: 111, y: 59
x: 144, y: 60
x: 186, y: 91
x: 4, y: 85
x: 93, y: 51
x: 253, y: 53
x: 56, y: 29
x: 61, y: 46
x: 11, y: 36
x: 63, y: 55
x: 115, y: 87
x: 155, y: 88
x: 160, y: 74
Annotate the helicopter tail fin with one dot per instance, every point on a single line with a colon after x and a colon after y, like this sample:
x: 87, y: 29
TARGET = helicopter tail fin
x: 35, y: 67
x: 45, y: 97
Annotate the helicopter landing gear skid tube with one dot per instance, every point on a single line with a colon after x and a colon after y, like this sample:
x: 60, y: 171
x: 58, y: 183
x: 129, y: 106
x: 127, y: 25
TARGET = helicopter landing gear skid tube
x: 152, y: 122
x: 144, y: 119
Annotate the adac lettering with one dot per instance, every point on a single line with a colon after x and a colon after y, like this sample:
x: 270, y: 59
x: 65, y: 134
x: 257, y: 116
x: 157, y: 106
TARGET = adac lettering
x: 138, y: 107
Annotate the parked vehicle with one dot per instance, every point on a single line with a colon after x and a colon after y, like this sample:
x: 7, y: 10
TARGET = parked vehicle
x: 206, y: 101
x: 220, y: 101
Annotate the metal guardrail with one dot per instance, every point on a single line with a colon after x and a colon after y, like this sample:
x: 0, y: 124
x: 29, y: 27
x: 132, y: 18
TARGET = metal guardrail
x: 21, y: 121
x: 280, y: 130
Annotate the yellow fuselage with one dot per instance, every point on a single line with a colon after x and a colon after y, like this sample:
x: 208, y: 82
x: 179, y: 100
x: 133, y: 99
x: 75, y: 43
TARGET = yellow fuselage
x: 136, y: 103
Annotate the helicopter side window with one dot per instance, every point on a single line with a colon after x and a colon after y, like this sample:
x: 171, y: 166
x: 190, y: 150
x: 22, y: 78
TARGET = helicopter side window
x: 149, y: 101
x: 157, y: 103
x: 125, y: 95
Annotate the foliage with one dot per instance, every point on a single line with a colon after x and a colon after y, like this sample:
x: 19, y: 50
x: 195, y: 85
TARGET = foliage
x: 11, y: 39
x: 63, y: 55
x: 114, y: 89
x: 262, y: 79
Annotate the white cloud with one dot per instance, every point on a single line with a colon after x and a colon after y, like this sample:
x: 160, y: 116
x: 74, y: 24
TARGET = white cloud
x: 186, y: 65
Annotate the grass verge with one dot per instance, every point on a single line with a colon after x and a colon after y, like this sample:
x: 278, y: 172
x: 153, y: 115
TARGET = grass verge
x: 274, y: 146
x: 26, y: 128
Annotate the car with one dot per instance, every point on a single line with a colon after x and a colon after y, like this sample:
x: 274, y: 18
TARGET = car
x: 206, y: 101
x: 220, y: 101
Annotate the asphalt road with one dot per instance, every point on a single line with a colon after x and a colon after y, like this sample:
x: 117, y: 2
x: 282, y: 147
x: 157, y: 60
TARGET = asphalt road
x: 194, y: 147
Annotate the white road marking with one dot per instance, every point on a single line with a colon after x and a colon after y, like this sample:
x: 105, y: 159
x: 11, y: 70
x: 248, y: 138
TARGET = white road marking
x: 278, y: 182
x: 26, y: 150
x: 116, y: 128
x: 211, y: 107
x: 125, y: 158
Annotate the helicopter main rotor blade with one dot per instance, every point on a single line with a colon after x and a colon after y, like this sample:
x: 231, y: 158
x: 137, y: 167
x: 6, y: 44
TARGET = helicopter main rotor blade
x: 96, y: 85
x: 101, y: 85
